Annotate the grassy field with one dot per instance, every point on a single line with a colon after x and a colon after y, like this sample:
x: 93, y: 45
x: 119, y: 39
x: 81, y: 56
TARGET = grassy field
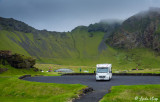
x: 13, y: 89
x: 133, y: 93
x: 91, y: 69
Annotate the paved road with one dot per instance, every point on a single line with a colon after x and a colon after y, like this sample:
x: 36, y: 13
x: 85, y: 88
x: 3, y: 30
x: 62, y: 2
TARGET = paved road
x: 100, y: 87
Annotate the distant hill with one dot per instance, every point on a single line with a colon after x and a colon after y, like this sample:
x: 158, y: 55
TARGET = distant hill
x: 11, y: 24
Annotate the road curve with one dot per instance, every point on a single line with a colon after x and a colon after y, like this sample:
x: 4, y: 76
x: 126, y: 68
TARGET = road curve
x: 100, y: 87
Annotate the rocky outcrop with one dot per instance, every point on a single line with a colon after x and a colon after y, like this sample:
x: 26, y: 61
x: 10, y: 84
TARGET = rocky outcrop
x: 16, y: 60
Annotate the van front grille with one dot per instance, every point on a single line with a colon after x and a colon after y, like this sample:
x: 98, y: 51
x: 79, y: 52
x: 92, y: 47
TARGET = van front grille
x: 101, y: 76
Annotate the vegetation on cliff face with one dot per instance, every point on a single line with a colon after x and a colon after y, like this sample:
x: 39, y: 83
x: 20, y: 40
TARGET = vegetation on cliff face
x: 103, y: 26
x: 139, y: 31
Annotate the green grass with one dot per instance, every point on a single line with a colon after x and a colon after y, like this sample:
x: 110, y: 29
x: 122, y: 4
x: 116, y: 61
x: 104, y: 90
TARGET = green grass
x: 13, y: 71
x: 13, y: 89
x: 125, y: 93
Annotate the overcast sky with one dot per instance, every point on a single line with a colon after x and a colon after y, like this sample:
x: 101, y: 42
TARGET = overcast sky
x: 64, y: 15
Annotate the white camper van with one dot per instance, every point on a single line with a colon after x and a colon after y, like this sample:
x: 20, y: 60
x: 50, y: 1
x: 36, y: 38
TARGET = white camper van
x: 104, y: 72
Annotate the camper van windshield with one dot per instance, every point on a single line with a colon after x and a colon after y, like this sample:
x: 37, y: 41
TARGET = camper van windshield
x: 102, y: 70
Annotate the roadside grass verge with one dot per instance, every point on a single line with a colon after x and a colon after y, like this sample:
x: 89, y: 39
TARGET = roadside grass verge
x: 133, y: 93
x: 12, y: 89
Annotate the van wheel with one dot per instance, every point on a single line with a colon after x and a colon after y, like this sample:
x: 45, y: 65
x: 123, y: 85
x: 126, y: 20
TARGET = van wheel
x: 109, y: 78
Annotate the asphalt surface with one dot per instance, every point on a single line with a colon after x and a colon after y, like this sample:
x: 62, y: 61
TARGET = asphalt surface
x: 100, y: 87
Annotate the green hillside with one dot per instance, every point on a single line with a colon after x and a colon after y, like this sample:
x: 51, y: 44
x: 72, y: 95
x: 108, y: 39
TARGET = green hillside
x: 53, y: 47
x: 84, y: 45
x: 7, y: 44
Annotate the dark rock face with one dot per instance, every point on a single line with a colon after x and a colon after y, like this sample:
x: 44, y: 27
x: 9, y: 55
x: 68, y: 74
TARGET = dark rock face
x: 5, y: 54
x: 141, y: 30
